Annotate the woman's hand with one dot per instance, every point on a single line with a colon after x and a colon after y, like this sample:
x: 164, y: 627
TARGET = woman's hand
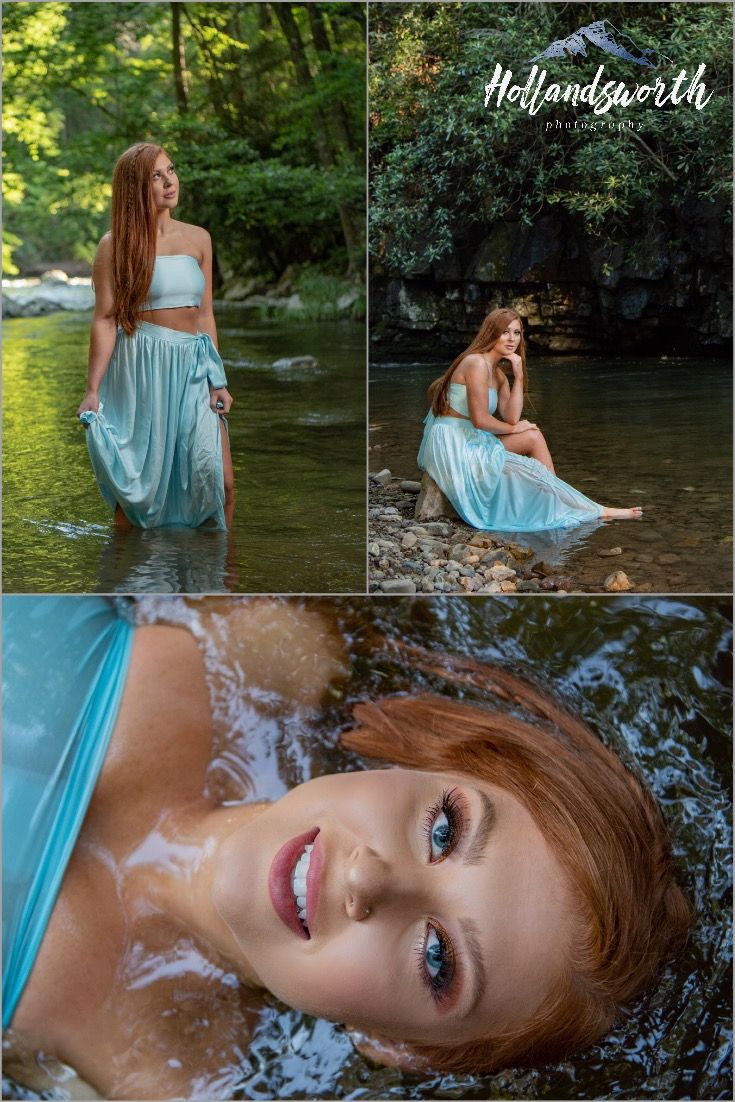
x: 517, y: 364
x: 90, y: 403
x: 524, y: 426
x: 223, y: 397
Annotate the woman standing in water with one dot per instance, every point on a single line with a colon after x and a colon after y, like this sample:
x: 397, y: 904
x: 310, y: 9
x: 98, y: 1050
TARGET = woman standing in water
x: 497, y: 471
x: 493, y: 902
x: 156, y: 395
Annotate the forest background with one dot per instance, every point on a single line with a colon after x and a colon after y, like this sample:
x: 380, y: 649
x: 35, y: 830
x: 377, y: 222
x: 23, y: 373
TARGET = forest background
x: 599, y: 238
x: 262, y: 105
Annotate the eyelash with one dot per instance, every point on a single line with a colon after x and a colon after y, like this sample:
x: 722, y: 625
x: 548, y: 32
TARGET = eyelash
x: 439, y: 986
x: 451, y: 805
x: 170, y: 171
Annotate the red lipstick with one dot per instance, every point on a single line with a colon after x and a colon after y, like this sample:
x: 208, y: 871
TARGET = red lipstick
x: 279, y: 881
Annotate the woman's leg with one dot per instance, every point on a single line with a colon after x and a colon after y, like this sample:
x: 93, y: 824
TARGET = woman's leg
x: 121, y: 521
x: 229, y: 477
x: 531, y: 442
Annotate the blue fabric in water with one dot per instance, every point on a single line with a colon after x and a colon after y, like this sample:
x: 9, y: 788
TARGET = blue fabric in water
x: 155, y: 442
x: 491, y: 487
x: 65, y: 660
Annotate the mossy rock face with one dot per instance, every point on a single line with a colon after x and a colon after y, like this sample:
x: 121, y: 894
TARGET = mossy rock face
x: 431, y: 502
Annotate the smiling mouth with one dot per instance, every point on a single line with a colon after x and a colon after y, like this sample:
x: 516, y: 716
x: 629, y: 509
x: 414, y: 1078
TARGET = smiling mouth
x: 293, y: 883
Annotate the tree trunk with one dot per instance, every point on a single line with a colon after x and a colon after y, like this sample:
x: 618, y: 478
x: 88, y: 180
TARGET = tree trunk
x: 337, y: 113
x: 297, y: 51
x: 178, y: 54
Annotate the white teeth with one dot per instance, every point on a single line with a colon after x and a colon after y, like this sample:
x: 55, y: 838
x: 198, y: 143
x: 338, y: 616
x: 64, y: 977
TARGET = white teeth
x: 298, y: 883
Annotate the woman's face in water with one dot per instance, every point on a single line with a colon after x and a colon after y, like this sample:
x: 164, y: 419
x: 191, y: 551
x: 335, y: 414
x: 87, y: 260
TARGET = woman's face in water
x: 165, y: 183
x: 509, y: 339
x: 431, y: 907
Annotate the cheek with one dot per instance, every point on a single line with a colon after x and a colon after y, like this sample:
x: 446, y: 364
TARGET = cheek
x: 342, y: 985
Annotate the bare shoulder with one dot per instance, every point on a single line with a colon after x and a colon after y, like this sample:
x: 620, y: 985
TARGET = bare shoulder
x: 197, y: 236
x: 104, y: 249
x: 471, y: 368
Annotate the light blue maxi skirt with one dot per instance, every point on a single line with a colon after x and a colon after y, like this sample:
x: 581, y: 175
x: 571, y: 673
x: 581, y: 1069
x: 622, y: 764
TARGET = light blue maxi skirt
x: 494, y: 488
x: 155, y: 443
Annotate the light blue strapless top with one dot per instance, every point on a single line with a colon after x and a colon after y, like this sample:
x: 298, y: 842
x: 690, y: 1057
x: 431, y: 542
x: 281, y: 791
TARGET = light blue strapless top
x: 65, y: 660
x: 458, y: 399
x: 177, y: 281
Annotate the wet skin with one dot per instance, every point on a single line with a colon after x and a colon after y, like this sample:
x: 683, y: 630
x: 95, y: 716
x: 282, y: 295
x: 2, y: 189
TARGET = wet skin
x: 439, y: 914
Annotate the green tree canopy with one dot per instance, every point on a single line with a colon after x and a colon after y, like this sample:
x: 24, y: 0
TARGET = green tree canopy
x: 261, y: 104
x: 441, y: 162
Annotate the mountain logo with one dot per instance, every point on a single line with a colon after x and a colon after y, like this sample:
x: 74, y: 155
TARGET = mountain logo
x: 606, y: 37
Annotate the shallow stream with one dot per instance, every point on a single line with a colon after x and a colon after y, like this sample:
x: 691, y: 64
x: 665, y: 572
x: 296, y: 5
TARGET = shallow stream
x: 298, y: 443
x: 655, y: 433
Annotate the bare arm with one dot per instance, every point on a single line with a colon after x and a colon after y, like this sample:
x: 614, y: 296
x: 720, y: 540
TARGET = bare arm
x: 510, y: 400
x: 104, y: 330
x: 476, y: 381
x: 207, y: 322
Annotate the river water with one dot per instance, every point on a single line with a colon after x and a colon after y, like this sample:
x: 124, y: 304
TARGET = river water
x: 298, y: 442
x: 651, y: 676
x: 655, y: 433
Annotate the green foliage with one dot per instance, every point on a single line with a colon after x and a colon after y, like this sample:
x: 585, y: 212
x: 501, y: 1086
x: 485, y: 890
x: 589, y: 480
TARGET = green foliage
x: 442, y: 163
x: 265, y: 164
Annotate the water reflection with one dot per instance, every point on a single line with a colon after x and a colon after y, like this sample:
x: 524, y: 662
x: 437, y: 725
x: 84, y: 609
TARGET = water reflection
x: 652, y: 676
x: 297, y: 434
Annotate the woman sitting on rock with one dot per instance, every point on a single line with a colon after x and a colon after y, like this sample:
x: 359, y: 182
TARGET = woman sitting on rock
x: 497, y: 471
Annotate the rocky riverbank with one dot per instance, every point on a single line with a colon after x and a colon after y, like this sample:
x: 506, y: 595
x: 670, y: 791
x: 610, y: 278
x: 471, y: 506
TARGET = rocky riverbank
x: 295, y: 296
x: 447, y: 556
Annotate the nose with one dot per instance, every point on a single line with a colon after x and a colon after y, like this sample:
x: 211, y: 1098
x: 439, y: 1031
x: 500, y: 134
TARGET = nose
x: 368, y: 881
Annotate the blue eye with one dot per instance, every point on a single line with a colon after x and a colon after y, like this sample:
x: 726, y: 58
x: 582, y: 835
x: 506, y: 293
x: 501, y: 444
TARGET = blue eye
x: 437, y: 963
x: 443, y: 826
x: 441, y: 834
x: 434, y: 954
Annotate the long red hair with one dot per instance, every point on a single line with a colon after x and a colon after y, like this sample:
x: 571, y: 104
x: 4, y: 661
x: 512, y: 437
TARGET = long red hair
x: 489, y: 332
x: 133, y: 231
x: 598, y: 818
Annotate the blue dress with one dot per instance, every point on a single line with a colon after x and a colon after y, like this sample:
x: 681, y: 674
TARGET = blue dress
x: 65, y: 661
x: 491, y: 487
x: 155, y: 442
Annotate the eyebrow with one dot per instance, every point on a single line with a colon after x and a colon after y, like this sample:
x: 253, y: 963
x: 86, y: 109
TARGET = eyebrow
x: 475, y: 854
x: 476, y: 849
x: 479, y: 985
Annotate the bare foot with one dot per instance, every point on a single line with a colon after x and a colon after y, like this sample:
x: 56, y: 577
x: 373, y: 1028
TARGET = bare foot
x: 622, y: 514
x: 121, y: 521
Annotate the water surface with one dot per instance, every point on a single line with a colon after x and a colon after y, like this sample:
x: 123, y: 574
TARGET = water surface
x: 655, y: 433
x: 298, y: 443
x: 651, y: 676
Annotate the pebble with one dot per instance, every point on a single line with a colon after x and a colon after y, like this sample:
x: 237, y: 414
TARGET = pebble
x: 409, y: 540
x: 667, y: 559
x: 438, y: 528
x: 644, y: 557
x: 528, y: 586
x: 383, y: 477
x: 411, y: 487
x: 618, y: 582
x: 608, y: 552
x: 398, y: 585
x: 501, y: 573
